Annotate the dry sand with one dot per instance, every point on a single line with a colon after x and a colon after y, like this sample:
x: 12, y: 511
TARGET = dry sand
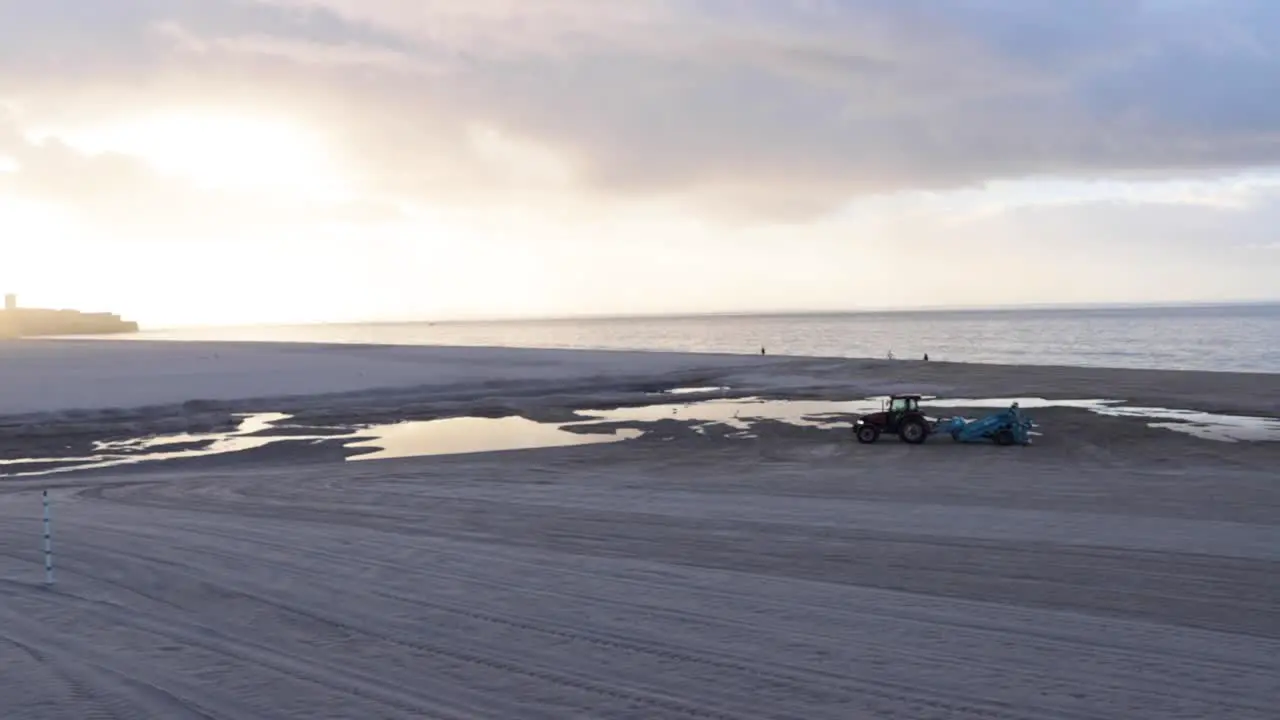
x: 1110, y: 571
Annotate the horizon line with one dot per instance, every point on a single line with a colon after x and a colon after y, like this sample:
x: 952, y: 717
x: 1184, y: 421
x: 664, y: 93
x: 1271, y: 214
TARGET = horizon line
x: 882, y: 310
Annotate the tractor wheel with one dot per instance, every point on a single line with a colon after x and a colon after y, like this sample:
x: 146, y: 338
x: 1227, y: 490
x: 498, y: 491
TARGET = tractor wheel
x: 867, y: 434
x: 1005, y: 437
x: 913, y: 431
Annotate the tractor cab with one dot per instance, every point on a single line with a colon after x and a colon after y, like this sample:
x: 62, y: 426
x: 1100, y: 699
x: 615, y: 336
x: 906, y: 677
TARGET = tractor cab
x: 901, y: 416
x: 901, y: 404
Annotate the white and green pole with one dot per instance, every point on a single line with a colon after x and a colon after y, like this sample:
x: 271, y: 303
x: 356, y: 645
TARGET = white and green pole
x: 48, y: 541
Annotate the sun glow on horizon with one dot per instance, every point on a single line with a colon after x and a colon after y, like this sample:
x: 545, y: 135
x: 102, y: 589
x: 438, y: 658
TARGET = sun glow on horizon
x: 291, y: 252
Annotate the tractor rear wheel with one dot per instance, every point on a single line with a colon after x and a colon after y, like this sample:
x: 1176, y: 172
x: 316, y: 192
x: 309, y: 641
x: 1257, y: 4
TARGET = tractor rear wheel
x: 1005, y: 437
x: 867, y: 434
x: 913, y: 431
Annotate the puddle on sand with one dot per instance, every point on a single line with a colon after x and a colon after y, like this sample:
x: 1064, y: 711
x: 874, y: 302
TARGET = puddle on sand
x: 248, y: 426
x: 741, y: 414
x: 408, y: 439
x: 1026, y: 403
x: 1208, y: 426
x: 692, y: 390
x: 452, y: 436
x: 472, y: 434
x: 115, y: 453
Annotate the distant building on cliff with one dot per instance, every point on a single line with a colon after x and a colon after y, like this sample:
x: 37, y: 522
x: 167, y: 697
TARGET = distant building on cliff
x: 32, y: 322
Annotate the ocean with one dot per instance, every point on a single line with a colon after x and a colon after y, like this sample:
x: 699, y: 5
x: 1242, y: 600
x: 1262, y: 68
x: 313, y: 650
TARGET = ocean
x: 1243, y: 338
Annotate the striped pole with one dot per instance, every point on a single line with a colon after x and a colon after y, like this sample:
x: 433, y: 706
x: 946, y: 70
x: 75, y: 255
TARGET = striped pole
x: 48, y: 542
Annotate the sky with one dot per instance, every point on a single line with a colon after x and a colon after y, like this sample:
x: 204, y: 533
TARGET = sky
x: 258, y: 161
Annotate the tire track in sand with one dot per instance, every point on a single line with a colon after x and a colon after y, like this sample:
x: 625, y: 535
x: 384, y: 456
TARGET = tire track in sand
x: 309, y: 671
x: 912, y: 697
x: 90, y: 698
x: 845, y: 685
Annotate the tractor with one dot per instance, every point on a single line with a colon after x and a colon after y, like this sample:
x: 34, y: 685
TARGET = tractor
x: 901, y: 417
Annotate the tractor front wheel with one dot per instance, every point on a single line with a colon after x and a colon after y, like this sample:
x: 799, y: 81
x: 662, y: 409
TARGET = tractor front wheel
x: 913, y: 431
x: 867, y: 434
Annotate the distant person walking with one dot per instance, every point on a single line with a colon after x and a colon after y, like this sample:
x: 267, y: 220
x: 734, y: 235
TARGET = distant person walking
x: 761, y: 349
x: 926, y: 357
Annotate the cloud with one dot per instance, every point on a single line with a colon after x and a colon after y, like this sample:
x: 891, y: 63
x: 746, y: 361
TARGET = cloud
x: 303, y: 52
x: 759, y: 108
x: 123, y: 194
x: 54, y: 168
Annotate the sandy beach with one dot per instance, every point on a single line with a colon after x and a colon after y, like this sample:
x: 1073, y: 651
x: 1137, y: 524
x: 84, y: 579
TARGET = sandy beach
x: 1110, y: 570
x: 56, y: 391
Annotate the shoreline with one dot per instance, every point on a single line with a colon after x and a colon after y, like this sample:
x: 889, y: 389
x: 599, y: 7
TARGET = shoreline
x: 1185, y: 338
x: 338, y: 346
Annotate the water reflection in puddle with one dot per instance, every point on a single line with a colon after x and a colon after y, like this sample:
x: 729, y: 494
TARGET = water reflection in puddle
x: 452, y: 436
x: 1207, y: 426
x: 1026, y: 403
x: 115, y: 453
x: 472, y: 434
x: 741, y: 414
x: 693, y: 390
x: 248, y: 426
x: 447, y: 436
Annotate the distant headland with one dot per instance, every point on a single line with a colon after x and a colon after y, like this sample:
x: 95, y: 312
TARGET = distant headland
x: 16, y: 322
